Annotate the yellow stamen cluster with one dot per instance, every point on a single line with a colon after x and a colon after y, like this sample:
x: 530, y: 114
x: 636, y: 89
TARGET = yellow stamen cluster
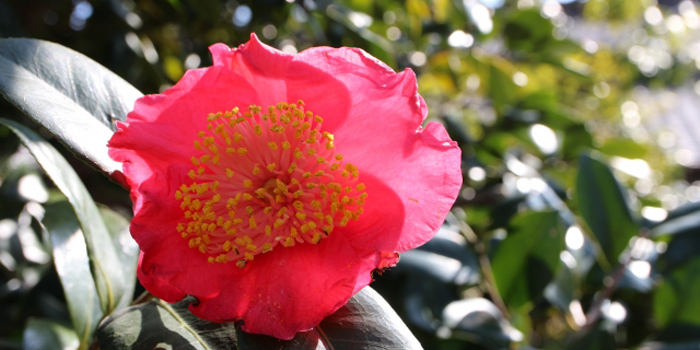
x: 263, y: 179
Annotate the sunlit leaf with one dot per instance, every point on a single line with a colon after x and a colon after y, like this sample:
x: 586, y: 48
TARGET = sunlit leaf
x: 71, y: 95
x: 106, y: 266
x: 73, y: 267
x: 48, y: 335
x: 366, y: 322
x: 126, y: 248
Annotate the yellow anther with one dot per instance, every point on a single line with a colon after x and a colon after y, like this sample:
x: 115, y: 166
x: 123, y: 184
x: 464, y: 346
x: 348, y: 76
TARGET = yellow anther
x: 241, y: 263
x: 237, y: 137
x: 311, y: 151
x: 227, y: 246
x: 202, y: 248
x: 195, y: 161
x: 286, y: 145
x: 298, y: 205
x: 272, y: 145
x: 320, y: 160
x: 229, y: 173
x: 268, y: 230
x: 318, y: 119
x: 282, y: 211
x: 216, y: 198
x: 266, y: 247
x: 319, y: 173
x: 247, y: 183
x: 300, y: 216
x: 247, y: 197
x: 268, y: 210
x: 306, y: 126
x: 230, y: 150
x: 316, y: 238
x: 222, y: 258
x: 197, y: 145
x: 330, y: 145
x: 252, y: 223
x: 249, y: 256
x: 240, y: 241
x: 307, y: 175
x: 210, y: 259
x: 293, y: 232
x: 291, y: 169
x: 335, y: 166
x: 251, y: 247
x: 201, y: 170
x: 310, y: 185
x: 316, y: 204
x: 258, y: 130
x: 192, y: 174
x: 249, y: 210
x: 216, y: 159
x: 338, y: 157
x: 256, y: 169
x: 271, y: 166
x: 242, y: 150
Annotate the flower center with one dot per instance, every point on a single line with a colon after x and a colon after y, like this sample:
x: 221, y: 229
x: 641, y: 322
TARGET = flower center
x: 260, y: 180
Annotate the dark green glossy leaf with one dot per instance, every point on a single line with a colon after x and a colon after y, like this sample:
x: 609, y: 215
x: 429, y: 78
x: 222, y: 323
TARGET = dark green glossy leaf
x: 127, y: 251
x: 482, y: 321
x: 444, y: 258
x: 599, y: 338
x: 106, y: 266
x: 71, y: 95
x: 527, y: 260
x: 602, y: 204
x: 677, y: 300
x: 366, y: 322
x: 73, y: 267
x: 48, y: 335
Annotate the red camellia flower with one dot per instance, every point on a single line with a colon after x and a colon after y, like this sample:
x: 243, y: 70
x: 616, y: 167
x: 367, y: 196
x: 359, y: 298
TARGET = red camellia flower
x: 271, y: 185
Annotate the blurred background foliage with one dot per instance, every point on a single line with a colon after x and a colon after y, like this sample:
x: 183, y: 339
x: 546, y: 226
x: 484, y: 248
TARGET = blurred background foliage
x: 578, y: 223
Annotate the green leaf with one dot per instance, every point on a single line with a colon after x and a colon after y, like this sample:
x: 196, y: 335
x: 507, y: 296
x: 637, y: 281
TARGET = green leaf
x: 677, y: 300
x: 48, y: 335
x: 365, y: 322
x: 127, y: 251
x: 73, y: 267
x: 528, y: 258
x: 71, y: 95
x: 106, y: 267
x: 624, y: 148
x: 603, y: 206
x: 480, y: 321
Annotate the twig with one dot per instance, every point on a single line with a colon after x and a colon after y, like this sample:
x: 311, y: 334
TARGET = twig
x: 143, y: 298
x: 486, y: 271
x: 614, y: 279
